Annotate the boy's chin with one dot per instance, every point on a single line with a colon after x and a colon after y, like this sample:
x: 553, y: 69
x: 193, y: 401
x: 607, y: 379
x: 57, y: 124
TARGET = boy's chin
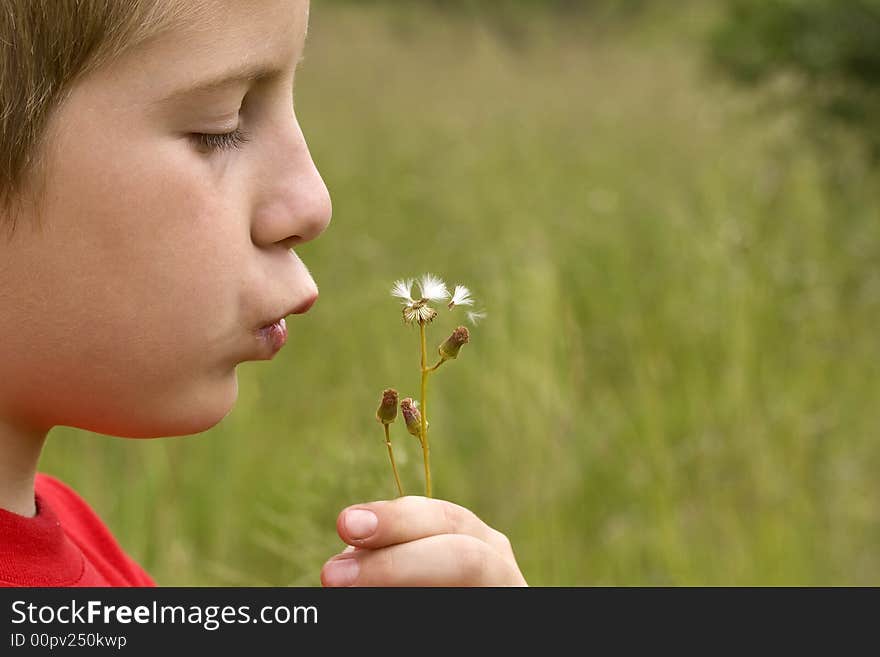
x: 198, y: 412
x: 181, y: 415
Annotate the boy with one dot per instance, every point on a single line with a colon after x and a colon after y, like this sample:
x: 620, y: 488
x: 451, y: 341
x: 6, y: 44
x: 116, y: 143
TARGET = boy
x: 153, y: 181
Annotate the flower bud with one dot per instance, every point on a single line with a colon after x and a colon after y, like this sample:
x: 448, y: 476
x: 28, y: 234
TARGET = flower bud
x: 411, y: 416
x: 388, y: 408
x: 449, y: 349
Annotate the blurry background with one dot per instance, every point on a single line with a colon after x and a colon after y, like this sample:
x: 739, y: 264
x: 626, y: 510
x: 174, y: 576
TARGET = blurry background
x: 669, y: 212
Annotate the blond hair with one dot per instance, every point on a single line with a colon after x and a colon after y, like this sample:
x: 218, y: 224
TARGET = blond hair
x: 45, y: 47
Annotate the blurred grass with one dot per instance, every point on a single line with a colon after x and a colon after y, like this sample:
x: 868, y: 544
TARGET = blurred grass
x: 678, y: 379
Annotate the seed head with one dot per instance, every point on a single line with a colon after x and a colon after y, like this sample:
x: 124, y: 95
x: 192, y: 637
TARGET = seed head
x: 431, y: 288
x: 420, y: 312
x: 387, y: 412
x: 452, y: 344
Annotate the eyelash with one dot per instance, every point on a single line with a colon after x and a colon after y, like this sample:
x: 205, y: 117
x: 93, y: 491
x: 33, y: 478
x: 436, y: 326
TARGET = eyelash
x: 224, y: 141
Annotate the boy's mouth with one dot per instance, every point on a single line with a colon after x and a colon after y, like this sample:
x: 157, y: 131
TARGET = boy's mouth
x: 273, y: 334
x: 298, y: 309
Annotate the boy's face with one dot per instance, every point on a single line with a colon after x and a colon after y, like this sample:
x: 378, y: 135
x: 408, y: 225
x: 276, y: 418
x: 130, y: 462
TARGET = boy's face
x: 159, y: 259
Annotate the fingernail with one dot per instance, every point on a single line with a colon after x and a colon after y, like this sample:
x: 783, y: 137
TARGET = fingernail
x: 341, y: 572
x: 360, y: 523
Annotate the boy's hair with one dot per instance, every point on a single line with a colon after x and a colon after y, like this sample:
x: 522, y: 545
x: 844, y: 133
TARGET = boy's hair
x: 45, y: 47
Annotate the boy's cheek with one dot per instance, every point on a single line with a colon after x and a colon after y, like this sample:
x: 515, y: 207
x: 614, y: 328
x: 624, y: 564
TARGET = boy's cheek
x: 111, y: 392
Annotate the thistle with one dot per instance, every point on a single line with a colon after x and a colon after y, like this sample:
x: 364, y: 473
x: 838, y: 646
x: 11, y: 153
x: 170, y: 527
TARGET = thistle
x: 417, y: 310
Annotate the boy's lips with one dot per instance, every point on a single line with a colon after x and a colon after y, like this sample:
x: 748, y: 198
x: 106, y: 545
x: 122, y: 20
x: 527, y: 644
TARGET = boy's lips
x: 298, y: 309
x: 272, y: 335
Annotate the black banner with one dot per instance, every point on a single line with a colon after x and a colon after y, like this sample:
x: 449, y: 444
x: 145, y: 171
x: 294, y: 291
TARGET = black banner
x: 235, y: 620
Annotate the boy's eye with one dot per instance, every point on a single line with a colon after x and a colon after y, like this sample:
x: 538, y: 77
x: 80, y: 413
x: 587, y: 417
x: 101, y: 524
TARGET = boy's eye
x: 223, y: 141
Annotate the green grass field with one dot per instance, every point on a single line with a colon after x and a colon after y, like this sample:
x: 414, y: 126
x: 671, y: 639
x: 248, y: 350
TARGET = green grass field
x: 679, y: 378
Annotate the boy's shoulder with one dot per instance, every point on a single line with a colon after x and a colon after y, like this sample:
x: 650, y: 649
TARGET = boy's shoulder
x: 82, y: 525
x: 67, y: 542
x: 78, y: 519
x: 73, y: 512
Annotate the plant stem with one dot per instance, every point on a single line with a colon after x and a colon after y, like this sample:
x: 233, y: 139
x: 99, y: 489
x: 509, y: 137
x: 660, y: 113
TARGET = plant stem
x: 426, y: 447
x: 393, y: 464
x: 437, y: 364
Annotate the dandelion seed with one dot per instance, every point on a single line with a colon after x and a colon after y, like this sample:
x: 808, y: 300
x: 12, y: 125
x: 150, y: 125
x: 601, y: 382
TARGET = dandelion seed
x: 403, y: 290
x: 432, y: 288
x: 460, y: 297
x: 475, y: 317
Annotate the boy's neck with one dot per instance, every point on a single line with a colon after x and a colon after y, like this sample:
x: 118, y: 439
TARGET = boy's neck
x: 19, y: 454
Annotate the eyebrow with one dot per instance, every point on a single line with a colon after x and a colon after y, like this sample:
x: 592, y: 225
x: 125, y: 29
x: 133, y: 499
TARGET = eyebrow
x: 238, y: 75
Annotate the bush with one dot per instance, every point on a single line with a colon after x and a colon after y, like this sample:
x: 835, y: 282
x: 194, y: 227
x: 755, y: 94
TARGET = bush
x: 827, y: 50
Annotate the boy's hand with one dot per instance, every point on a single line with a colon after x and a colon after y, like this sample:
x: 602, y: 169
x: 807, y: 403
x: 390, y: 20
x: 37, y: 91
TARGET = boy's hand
x: 419, y: 541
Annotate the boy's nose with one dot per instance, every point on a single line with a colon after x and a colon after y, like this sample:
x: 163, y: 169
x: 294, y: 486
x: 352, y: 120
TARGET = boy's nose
x: 296, y: 205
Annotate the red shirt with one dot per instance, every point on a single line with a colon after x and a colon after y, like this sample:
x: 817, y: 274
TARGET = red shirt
x: 64, y: 544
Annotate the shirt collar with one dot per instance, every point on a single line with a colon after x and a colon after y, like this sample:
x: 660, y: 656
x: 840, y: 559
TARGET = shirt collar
x: 36, y: 551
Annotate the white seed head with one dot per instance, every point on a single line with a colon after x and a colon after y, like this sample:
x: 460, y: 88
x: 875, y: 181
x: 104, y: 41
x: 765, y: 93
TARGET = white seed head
x: 461, y: 296
x: 418, y: 312
x: 433, y: 288
x: 402, y: 289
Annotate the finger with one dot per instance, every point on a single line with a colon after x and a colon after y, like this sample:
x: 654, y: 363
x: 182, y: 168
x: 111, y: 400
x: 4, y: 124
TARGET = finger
x: 347, y: 550
x: 379, y: 524
x: 441, y: 560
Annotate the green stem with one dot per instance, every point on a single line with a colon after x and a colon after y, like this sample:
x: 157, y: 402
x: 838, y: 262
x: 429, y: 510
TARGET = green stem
x: 426, y: 447
x: 437, y: 364
x: 391, y: 455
